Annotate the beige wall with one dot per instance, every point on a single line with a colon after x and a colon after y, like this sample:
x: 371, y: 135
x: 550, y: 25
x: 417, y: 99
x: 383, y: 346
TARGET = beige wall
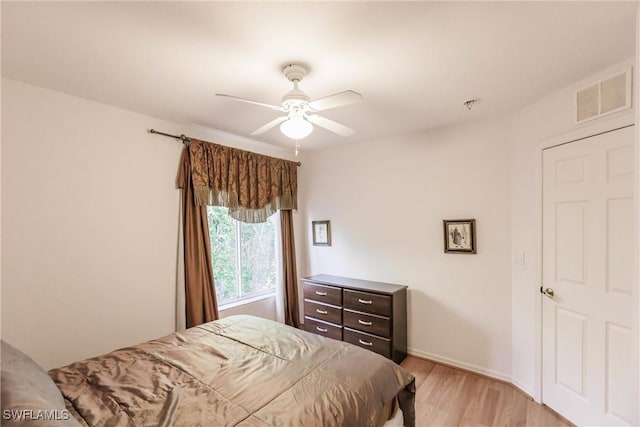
x: 636, y: 95
x: 89, y: 220
x: 386, y: 201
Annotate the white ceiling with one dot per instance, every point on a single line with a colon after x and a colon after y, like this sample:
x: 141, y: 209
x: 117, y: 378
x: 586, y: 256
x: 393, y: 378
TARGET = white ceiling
x: 414, y: 62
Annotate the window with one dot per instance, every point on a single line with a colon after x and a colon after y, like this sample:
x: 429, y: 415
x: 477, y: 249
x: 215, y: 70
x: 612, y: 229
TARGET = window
x: 244, y: 256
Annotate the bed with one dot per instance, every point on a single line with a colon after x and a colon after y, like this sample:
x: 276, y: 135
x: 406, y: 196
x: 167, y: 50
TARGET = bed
x: 239, y: 371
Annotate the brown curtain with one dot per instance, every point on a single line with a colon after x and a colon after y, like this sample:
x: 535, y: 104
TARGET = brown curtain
x: 251, y: 185
x: 289, y: 276
x: 200, y: 296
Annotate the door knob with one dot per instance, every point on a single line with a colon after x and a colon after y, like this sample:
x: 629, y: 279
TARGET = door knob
x: 548, y: 292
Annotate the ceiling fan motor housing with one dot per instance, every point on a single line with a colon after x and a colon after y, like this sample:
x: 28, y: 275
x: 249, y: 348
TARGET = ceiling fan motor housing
x: 295, y: 99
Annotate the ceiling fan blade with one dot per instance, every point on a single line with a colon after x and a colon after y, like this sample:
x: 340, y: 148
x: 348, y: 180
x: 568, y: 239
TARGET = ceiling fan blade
x: 273, y: 107
x: 336, y: 100
x: 271, y: 124
x: 334, y: 127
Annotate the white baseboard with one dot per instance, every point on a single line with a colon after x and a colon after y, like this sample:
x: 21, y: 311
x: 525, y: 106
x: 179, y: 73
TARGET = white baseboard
x: 523, y: 388
x: 462, y: 365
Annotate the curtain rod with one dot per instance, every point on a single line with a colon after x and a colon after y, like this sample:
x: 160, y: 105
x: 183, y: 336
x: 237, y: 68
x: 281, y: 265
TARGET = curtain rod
x: 182, y: 138
x: 185, y: 139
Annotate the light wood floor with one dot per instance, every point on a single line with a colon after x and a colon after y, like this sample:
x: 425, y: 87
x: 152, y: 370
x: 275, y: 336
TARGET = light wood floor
x: 447, y: 396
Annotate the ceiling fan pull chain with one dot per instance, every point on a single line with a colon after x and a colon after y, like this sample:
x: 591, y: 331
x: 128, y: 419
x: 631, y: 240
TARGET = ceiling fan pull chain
x: 297, y: 147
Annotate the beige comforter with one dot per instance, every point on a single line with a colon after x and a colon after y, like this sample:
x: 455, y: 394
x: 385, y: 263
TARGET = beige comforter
x: 239, y: 371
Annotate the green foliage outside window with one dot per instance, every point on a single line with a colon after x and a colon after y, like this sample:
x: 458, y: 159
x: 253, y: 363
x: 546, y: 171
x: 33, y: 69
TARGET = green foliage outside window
x: 245, y: 248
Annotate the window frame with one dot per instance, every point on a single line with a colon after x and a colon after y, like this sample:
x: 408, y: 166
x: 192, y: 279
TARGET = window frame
x: 242, y: 298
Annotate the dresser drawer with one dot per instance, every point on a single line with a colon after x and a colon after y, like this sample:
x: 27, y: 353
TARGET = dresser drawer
x: 324, y: 312
x: 368, y: 302
x: 322, y: 328
x: 323, y: 293
x: 369, y: 323
x: 379, y: 345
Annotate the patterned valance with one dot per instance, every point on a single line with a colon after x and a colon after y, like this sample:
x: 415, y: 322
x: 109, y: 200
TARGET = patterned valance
x: 251, y: 185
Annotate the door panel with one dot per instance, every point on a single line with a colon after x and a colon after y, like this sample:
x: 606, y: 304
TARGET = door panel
x: 570, y: 350
x: 570, y: 242
x: 619, y: 240
x: 620, y: 163
x: 588, y: 261
x: 619, y: 362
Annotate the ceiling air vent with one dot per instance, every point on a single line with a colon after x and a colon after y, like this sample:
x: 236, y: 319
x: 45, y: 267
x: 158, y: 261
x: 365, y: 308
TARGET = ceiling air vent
x: 604, y: 97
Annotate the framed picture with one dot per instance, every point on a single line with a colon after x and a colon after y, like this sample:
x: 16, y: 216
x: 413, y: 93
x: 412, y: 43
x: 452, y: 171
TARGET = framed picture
x: 321, y: 233
x: 460, y: 236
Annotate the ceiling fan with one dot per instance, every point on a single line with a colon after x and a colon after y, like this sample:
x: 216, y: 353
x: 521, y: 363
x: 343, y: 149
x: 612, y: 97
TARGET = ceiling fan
x: 300, y: 110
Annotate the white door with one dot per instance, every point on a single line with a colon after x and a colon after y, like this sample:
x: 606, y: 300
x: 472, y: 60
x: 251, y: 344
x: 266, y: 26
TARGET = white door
x: 588, y: 337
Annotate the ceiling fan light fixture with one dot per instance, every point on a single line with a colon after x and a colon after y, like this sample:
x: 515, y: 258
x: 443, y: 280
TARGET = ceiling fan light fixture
x: 296, y: 128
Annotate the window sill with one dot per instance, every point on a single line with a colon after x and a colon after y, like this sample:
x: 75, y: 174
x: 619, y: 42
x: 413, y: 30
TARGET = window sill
x: 247, y: 300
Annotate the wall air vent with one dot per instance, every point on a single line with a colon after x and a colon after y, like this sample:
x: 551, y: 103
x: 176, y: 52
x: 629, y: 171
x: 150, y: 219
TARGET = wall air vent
x: 604, y: 97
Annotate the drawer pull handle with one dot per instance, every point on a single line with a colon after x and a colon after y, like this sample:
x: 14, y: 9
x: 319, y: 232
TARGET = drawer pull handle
x: 367, y: 343
x: 322, y: 294
x: 321, y: 311
x: 362, y: 322
x: 365, y: 301
x: 322, y: 329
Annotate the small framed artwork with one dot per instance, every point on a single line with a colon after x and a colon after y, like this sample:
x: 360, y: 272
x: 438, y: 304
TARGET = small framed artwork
x: 460, y: 236
x: 321, y: 233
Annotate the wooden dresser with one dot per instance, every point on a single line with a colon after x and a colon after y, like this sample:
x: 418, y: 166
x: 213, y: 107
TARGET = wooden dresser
x: 371, y: 315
